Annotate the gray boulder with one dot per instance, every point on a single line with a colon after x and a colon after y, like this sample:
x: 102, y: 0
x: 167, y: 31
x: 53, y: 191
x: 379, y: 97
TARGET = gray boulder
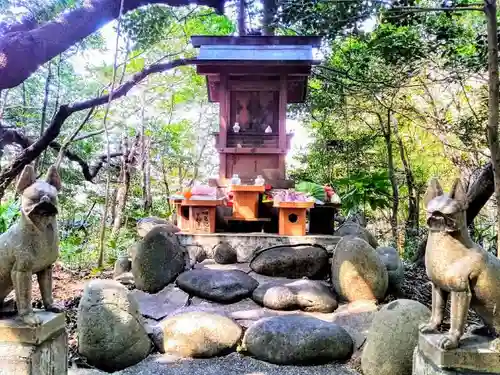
x: 293, y: 262
x: 144, y: 225
x: 199, y: 334
x: 392, y: 337
x: 157, y: 260
x: 307, y: 295
x: 224, y: 253
x: 111, y: 335
x: 216, y: 285
x: 395, y: 269
x: 350, y: 228
x: 295, y: 339
x: 357, y: 271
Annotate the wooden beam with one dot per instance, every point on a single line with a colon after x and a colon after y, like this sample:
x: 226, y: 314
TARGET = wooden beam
x: 282, y: 112
x: 271, y: 70
x: 255, y: 150
x: 224, y: 123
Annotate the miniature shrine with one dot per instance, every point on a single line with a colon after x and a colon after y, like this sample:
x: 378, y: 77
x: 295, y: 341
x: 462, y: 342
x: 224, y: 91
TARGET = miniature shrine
x: 253, y: 79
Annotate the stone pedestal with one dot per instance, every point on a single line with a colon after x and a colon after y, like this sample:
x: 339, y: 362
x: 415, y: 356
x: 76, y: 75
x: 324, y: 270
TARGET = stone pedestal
x: 474, y: 357
x: 41, y: 350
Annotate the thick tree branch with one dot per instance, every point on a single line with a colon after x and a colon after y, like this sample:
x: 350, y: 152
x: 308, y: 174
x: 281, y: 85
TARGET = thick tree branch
x: 34, y: 150
x: 24, y: 48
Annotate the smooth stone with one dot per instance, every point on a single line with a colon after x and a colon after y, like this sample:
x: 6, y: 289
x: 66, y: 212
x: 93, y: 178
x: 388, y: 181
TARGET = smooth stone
x: 357, y: 271
x: 292, y: 262
x: 392, y: 338
x: 224, y: 253
x: 145, y: 225
x: 157, y: 260
x: 218, y: 286
x: 111, y: 335
x: 126, y: 278
x: 159, y: 305
x: 199, y: 334
x: 307, y: 295
x: 395, y: 268
x: 350, y: 228
x: 297, y: 339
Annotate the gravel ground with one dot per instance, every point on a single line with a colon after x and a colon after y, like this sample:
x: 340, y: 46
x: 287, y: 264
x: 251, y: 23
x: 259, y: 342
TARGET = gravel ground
x: 232, y: 364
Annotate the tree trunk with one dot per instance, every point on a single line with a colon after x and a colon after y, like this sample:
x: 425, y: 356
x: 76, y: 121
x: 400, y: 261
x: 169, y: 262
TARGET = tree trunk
x: 102, y: 229
x: 122, y: 192
x: 112, y: 205
x: 146, y: 177
x: 30, y: 45
x: 44, y: 107
x: 386, y: 130
x: 412, y: 220
x: 269, y: 11
x: 493, y: 106
x: 241, y: 18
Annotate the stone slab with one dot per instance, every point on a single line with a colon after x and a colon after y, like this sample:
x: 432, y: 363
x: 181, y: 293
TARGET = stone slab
x: 159, y: 305
x: 211, y: 265
x: 48, y: 358
x: 474, y: 354
x: 247, y: 243
x: 423, y: 366
x: 13, y: 330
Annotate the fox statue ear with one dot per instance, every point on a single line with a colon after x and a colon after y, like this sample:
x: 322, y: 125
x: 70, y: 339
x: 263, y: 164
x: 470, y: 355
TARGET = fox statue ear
x: 433, y: 190
x: 27, y: 178
x: 53, y: 177
x: 458, y: 192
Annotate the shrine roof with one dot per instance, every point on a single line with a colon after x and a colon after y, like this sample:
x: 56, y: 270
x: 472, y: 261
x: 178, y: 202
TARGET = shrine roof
x: 264, y: 49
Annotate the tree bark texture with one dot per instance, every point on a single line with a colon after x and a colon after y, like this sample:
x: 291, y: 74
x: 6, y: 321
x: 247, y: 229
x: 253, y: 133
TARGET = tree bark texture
x: 493, y: 106
x: 34, y: 150
x: 26, y: 45
x: 128, y: 157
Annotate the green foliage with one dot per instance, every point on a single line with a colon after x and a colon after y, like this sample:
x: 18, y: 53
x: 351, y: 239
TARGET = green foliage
x: 153, y: 24
x: 9, y: 212
x: 314, y: 190
x: 364, y: 188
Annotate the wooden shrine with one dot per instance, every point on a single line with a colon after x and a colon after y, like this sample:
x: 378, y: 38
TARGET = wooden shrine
x: 253, y: 78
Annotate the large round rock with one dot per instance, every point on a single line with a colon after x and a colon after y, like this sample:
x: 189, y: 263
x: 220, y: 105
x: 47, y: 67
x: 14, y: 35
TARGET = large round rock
x: 110, y: 331
x: 199, y: 334
x: 393, y: 337
x: 145, y: 225
x: 295, y: 339
x: 224, y: 253
x: 157, y: 260
x: 353, y: 229
x: 217, y: 285
x: 395, y: 269
x: 307, y: 295
x: 292, y: 262
x: 357, y: 271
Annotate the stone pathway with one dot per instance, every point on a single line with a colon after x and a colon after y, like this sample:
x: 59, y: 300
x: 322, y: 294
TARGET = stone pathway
x: 232, y: 364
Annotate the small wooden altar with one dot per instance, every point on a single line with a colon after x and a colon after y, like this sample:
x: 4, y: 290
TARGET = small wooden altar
x: 292, y: 217
x: 201, y: 214
x: 246, y: 201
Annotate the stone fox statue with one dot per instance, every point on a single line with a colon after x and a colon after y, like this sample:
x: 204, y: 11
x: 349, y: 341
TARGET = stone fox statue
x: 458, y: 267
x: 31, y: 245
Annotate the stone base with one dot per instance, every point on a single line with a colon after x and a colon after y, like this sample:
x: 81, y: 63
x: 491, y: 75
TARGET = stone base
x: 247, y: 243
x: 39, y: 350
x: 473, y: 357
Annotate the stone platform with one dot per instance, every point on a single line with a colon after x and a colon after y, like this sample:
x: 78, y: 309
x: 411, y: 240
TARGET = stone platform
x: 473, y: 357
x: 247, y: 243
x: 41, y: 350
